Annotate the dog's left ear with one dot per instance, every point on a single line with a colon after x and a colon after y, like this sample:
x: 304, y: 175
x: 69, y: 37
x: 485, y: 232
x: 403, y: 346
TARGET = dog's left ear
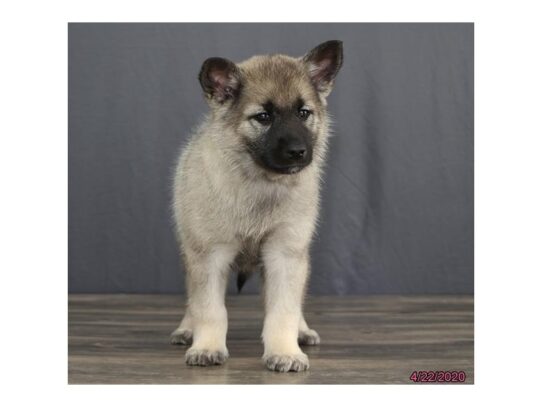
x: 323, y: 64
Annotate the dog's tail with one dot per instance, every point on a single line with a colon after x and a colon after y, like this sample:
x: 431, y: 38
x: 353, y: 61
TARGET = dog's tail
x: 246, y: 266
x: 242, y: 277
x: 244, y: 273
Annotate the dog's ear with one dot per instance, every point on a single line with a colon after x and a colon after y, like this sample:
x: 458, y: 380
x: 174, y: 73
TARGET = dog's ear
x: 220, y: 79
x: 323, y: 64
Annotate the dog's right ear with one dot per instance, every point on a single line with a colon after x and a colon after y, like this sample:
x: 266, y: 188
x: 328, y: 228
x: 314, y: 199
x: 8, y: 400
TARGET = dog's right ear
x: 220, y: 79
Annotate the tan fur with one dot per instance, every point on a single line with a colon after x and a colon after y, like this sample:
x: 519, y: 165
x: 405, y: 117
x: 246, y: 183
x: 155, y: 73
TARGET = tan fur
x: 226, y: 205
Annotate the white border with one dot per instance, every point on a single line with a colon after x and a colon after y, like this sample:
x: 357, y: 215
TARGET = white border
x: 33, y: 168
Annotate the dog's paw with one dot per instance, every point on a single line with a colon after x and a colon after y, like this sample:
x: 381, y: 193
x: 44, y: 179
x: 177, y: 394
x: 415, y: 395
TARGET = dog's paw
x: 183, y: 337
x: 287, y: 363
x: 309, y: 338
x: 205, y: 357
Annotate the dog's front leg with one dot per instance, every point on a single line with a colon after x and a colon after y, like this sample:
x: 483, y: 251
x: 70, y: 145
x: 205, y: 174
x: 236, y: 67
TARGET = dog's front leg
x: 286, y: 270
x: 207, y: 279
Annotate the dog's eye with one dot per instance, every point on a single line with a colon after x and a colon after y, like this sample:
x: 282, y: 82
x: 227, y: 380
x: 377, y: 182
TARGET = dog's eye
x: 263, y: 118
x: 304, y: 114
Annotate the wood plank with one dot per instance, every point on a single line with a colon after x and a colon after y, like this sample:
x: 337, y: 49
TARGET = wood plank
x: 117, y: 338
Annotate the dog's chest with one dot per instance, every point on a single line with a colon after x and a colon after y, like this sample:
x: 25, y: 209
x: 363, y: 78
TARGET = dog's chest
x: 257, y: 213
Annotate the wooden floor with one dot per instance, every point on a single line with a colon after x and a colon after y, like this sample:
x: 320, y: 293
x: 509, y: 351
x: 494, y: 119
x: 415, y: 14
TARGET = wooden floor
x: 371, y: 339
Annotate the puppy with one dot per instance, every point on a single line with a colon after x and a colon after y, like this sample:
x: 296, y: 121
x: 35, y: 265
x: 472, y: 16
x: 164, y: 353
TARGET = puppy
x: 246, y: 197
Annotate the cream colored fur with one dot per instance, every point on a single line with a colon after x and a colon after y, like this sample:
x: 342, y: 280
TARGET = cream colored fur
x: 224, y: 202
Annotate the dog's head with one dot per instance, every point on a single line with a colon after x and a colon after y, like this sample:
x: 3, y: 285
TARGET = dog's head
x: 274, y: 106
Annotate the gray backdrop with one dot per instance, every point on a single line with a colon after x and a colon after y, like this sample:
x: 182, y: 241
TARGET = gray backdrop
x: 397, y: 212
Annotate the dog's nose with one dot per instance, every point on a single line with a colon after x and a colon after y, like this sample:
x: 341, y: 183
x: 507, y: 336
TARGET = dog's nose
x: 296, y: 153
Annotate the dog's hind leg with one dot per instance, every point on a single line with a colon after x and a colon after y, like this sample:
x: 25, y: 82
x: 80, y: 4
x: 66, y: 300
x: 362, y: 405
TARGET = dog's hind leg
x: 306, y: 335
x: 183, y: 334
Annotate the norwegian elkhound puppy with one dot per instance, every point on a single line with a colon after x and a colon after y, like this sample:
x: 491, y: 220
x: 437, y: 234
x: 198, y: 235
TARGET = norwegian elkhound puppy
x: 246, y: 197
